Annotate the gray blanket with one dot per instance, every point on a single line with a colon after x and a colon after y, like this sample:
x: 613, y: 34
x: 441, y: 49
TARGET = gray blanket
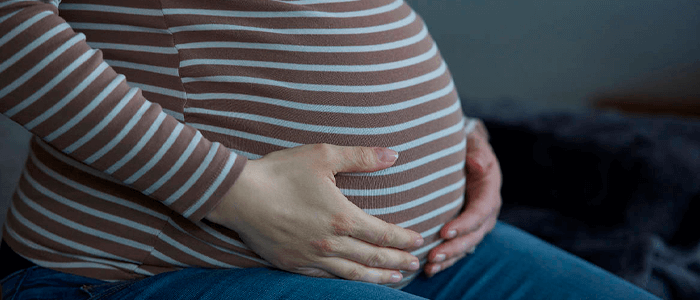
x: 615, y: 190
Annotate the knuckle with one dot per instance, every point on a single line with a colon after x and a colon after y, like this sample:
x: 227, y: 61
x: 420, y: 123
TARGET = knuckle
x: 323, y: 156
x: 386, y: 238
x: 324, y: 247
x: 483, y: 160
x: 477, y: 223
x: 354, y: 274
x: 364, y: 157
x: 408, y: 258
x: 324, y: 150
x: 343, y: 224
x: 377, y: 259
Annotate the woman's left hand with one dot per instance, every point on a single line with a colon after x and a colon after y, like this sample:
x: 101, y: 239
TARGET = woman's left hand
x: 483, y: 193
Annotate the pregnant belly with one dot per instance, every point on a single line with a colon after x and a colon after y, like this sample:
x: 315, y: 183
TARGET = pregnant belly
x: 261, y: 76
x: 424, y: 123
x: 422, y: 191
x: 261, y: 91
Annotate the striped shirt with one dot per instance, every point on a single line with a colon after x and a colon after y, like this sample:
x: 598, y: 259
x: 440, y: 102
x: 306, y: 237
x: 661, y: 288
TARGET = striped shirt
x: 144, y: 113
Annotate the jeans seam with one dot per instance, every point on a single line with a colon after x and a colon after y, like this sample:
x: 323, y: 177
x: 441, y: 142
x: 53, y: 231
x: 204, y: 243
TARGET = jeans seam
x: 19, y: 283
x: 10, y: 276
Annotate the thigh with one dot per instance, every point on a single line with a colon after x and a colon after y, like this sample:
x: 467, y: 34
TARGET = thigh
x: 513, y: 264
x: 194, y: 283
x: 254, y: 283
x: 41, y: 283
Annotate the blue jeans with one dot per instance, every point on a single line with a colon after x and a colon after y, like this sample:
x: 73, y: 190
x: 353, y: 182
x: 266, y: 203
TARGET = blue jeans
x: 508, y: 264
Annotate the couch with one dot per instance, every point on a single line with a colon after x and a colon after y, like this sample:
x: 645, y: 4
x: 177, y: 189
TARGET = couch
x: 621, y: 191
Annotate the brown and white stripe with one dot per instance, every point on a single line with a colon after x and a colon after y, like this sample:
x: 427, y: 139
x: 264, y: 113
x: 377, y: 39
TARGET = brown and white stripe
x: 225, y: 81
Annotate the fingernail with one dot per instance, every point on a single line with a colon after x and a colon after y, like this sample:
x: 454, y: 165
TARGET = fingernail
x: 435, y: 269
x: 418, y: 242
x: 439, y: 258
x: 413, y: 266
x: 386, y: 155
x: 451, y: 234
x: 395, y: 277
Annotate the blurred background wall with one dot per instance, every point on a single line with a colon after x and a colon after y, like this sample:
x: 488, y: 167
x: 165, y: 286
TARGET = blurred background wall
x: 557, y: 54
x: 14, y: 142
x: 561, y: 53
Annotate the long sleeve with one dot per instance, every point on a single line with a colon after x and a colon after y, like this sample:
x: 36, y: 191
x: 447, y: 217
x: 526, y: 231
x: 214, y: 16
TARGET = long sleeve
x: 255, y: 76
x: 56, y: 86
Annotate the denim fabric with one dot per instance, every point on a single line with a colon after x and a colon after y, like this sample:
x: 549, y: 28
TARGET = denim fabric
x: 508, y: 264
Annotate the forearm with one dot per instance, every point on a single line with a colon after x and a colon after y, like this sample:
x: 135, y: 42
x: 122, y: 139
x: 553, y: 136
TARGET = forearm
x: 56, y: 86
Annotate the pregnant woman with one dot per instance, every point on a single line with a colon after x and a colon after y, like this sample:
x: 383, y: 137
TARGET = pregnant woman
x: 255, y: 149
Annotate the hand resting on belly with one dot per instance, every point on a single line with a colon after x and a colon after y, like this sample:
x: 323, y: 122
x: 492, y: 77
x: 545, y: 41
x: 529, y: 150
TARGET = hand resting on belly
x: 287, y: 208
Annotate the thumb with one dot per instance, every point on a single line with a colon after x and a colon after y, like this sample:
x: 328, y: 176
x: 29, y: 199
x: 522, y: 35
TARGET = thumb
x: 364, y: 159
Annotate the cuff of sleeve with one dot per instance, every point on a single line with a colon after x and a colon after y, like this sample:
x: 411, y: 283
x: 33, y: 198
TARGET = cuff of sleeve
x: 220, y: 184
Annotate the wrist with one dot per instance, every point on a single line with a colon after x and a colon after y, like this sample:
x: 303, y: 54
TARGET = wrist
x: 224, y: 212
x: 216, y: 214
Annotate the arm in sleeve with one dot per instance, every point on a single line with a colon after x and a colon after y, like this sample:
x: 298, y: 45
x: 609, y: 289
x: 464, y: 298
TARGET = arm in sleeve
x: 56, y: 86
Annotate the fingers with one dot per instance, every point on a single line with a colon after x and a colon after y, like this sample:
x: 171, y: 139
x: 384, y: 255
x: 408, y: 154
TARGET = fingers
x: 455, y: 247
x: 483, y: 192
x: 461, y: 244
x: 360, y: 159
x: 432, y: 269
x: 443, y: 254
x: 350, y: 270
x: 316, y: 272
x: 375, y: 231
x: 477, y: 212
x: 377, y: 257
x: 481, y: 212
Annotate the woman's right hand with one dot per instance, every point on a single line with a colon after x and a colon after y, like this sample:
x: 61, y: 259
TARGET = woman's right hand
x: 287, y: 208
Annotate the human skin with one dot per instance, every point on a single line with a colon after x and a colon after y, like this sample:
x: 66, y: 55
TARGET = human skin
x: 287, y: 208
x: 483, y: 204
x: 343, y: 241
